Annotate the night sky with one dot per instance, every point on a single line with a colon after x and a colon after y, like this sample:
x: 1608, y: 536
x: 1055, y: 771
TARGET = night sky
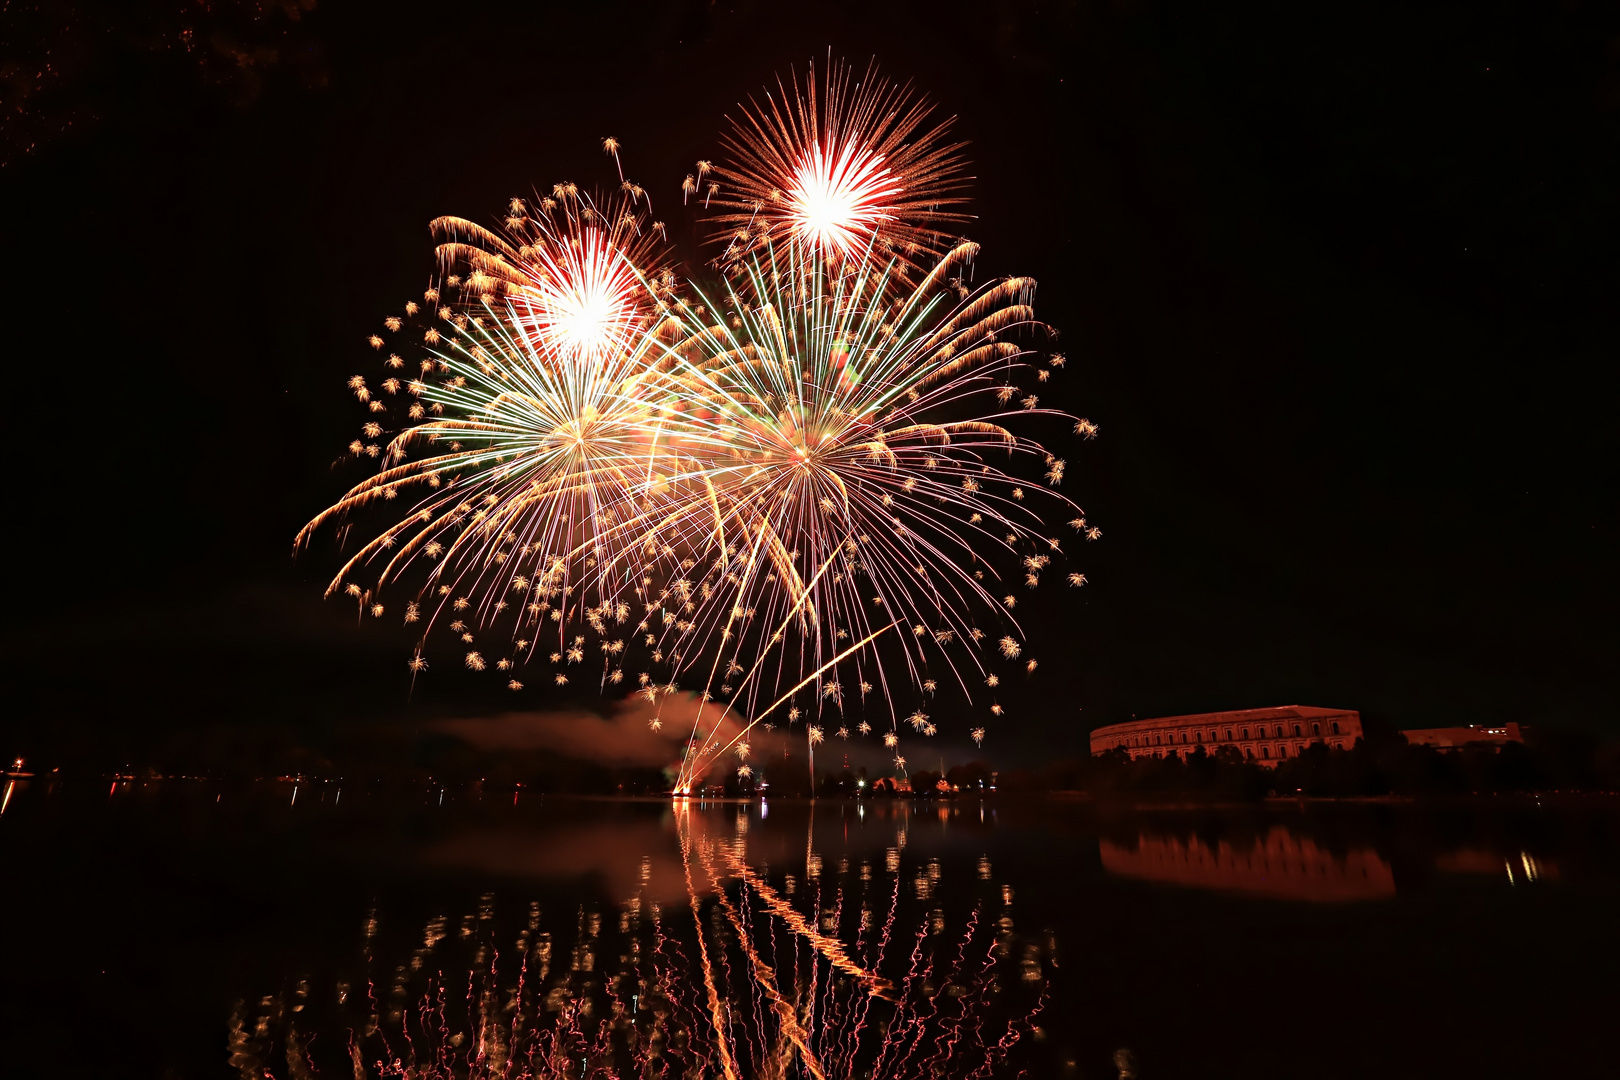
x: 1338, y: 283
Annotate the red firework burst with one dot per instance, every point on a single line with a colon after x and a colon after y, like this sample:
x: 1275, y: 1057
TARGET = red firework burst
x: 839, y: 164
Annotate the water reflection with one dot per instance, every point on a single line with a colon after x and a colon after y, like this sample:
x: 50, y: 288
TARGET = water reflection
x: 731, y: 950
x: 1283, y: 861
x: 1277, y: 864
x: 550, y: 937
x: 1520, y: 868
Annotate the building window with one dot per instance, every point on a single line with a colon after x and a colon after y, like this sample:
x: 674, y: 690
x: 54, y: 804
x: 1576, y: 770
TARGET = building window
x: 1199, y: 735
x: 1245, y: 733
x: 1334, y: 727
x: 1316, y: 729
x: 1261, y: 731
x: 1265, y: 752
x: 1228, y: 734
x: 1296, y: 731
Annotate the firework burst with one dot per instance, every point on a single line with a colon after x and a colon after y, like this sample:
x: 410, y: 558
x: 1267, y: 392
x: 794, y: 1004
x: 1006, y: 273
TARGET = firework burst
x: 536, y: 447
x: 863, y: 440
x: 574, y: 270
x: 793, y: 485
x: 841, y: 164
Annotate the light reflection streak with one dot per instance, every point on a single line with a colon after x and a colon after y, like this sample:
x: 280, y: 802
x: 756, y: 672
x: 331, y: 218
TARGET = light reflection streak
x: 715, y: 1014
x: 759, y: 982
x: 831, y: 948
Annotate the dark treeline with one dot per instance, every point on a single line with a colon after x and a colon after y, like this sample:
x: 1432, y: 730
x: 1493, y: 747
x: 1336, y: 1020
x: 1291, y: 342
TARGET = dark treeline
x: 353, y: 753
x: 1383, y: 764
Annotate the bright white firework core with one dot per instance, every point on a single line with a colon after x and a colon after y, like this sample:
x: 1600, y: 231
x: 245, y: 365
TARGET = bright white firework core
x: 583, y: 320
x: 584, y: 302
x: 840, y: 195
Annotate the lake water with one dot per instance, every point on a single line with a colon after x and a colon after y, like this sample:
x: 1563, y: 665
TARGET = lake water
x: 180, y: 930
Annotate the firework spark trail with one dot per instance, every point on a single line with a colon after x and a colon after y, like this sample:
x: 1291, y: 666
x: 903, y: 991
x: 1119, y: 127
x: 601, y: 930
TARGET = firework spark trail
x: 410, y: 1044
x: 881, y: 950
x: 983, y: 977
x: 764, y: 977
x: 697, y: 720
x: 1005, y: 1044
x: 839, y: 1013
x: 371, y: 991
x: 669, y: 947
x: 722, y: 962
x: 792, y: 977
x: 754, y: 1023
x: 945, y: 1047
x: 808, y: 992
x: 433, y: 1005
x: 971, y: 983
x: 907, y: 1014
x: 356, y: 1062
x: 602, y: 1049
x: 831, y: 948
x: 748, y: 679
x: 686, y: 783
x: 761, y: 996
x: 490, y: 1029
x: 476, y: 1016
x: 895, y: 1028
x: 684, y: 1013
x: 716, y: 1014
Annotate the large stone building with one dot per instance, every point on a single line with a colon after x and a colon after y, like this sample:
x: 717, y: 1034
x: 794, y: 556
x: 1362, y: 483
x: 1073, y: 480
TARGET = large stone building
x: 1266, y: 736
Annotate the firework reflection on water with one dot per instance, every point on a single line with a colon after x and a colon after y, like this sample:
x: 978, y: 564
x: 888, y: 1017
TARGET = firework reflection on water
x: 733, y: 967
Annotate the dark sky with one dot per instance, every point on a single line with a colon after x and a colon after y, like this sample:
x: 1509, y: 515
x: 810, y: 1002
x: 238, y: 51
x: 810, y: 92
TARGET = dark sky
x: 1338, y: 283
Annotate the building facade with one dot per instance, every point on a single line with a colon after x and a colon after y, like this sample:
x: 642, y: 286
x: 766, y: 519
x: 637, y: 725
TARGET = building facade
x: 1265, y: 736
